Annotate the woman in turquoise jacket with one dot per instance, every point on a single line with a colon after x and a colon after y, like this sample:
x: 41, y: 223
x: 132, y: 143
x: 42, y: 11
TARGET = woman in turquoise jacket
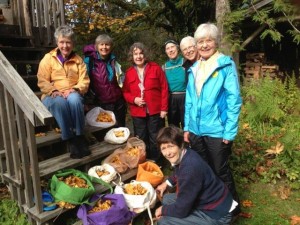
x: 213, y: 104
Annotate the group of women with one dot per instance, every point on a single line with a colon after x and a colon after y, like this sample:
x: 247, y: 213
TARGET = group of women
x: 210, y: 95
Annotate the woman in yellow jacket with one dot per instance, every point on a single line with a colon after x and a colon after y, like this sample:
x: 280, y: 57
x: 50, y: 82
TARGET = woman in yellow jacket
x: 63, y: 79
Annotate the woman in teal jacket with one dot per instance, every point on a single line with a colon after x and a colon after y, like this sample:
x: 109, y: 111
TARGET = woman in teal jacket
x: 213, y: 104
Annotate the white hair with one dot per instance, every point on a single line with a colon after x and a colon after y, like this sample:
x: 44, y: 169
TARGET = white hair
x: 207, y: 30
x: 186, y: 40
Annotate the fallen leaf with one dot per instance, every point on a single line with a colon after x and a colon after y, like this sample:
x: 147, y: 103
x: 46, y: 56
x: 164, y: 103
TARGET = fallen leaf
x: 275, y: 150
x: 247, y: 203
x: 260, y: 170
x: 284, y: 192
x: 295, y: 220
x: 57, y: 130
x: 246, y: 126
x: 245, y: 215
x: 41, y: 134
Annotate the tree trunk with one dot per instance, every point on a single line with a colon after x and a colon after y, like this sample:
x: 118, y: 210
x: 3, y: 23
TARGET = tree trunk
x: 222, y: 8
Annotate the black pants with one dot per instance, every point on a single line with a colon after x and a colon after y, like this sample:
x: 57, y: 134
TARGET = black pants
x: 176, y: 109
x: 146, y: 128
x: 216, y: 154
x: 119, y: 108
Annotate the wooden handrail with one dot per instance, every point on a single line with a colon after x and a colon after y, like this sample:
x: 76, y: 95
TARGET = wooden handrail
x: 32, y: 107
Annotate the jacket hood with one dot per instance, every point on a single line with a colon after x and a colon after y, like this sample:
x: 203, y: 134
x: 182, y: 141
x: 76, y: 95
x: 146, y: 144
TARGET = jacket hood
x: 89, y: 50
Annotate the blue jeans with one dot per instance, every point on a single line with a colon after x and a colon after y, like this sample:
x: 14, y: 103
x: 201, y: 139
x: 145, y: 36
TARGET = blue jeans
x: 196, y: 217
x: 68, y: 113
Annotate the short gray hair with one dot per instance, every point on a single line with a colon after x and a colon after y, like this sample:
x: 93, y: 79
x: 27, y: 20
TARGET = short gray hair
x: 103, y: 38
x: 64, y: 31
x: 206, y: 30
x: 187, y: 39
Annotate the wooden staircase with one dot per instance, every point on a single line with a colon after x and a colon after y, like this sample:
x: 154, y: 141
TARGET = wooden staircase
x: 22, y: 53
x: 17, y: 169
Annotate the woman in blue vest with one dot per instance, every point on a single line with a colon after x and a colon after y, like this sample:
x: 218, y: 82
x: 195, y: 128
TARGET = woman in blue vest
x: 176, y: 77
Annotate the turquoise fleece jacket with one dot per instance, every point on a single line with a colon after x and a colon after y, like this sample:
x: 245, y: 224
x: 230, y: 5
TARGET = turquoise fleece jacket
x: 216, y: 111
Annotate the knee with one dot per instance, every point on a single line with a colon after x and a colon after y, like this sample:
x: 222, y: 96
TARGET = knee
x: 59, y: 102
x: 161, y: 221
x: 75, y: 99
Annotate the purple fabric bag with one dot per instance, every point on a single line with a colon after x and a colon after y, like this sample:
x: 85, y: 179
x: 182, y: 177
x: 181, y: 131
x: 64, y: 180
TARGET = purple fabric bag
x: 118, y: 214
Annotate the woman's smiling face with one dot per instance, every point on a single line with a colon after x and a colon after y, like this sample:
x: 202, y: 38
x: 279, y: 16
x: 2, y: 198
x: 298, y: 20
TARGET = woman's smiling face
x: 65, y: 46
x: 138, y: 57
x: 171, y: 152
x: 206, y: 47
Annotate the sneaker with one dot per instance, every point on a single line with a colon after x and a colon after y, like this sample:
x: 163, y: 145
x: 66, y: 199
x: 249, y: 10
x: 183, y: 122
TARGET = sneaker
x: 236, y: 211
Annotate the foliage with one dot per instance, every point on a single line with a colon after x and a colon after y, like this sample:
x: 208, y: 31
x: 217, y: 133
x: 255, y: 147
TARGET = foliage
x: 269, y: 15
x: 130, y: 21
x: 10, y: 213
x: 93, y: 17
x: 232, y: 26
x: 267, y: 145
x: 135, y: 20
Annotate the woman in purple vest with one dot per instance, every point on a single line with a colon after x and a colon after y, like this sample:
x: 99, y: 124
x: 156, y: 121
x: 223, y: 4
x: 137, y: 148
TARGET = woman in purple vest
x: 104, y: 72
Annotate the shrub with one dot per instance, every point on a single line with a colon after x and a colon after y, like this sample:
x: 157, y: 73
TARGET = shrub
x: 268, y: 141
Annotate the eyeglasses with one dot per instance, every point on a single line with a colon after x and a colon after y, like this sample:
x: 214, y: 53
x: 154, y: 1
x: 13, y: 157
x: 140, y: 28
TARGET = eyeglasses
x: 206, y: 42
x: 188, y: 49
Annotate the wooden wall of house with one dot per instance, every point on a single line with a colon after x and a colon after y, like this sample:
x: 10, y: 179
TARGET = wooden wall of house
x: 6, y: 12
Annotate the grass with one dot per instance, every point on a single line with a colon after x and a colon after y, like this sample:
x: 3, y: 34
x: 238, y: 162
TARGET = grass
x: 268, y: 207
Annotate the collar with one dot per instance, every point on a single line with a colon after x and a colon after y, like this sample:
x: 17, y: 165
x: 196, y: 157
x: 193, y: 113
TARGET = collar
x: 176, y: 61
x: 181, y: 156
x: 108, y: 59
x: 61, y: 58
x: 212, y: 58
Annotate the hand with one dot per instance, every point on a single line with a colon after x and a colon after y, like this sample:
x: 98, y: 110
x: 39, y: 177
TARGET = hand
x: 163, y: 114
x: 68, y: 92
x: 161, y: 189
x: 186, y: 135
x: 158, y: 213
x: 226, y: 141
x: 55, y: 94
x: 139, y: 101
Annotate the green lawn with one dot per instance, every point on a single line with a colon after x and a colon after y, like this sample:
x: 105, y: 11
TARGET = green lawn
x: 268, y: 207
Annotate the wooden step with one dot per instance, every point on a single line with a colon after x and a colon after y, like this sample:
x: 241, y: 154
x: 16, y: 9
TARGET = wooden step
x: 24, y: 62
x: 63, y: 161
x: 50, y: 215
x: 16, y: 40
x: 22, y: 49
x: 51, y: 137
x: 29, y: 77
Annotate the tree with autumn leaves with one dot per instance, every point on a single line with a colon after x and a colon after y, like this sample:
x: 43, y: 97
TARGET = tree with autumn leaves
x: 132, y: 19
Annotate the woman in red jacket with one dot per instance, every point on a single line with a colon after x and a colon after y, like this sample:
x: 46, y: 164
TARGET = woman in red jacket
x: 146, y: 91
